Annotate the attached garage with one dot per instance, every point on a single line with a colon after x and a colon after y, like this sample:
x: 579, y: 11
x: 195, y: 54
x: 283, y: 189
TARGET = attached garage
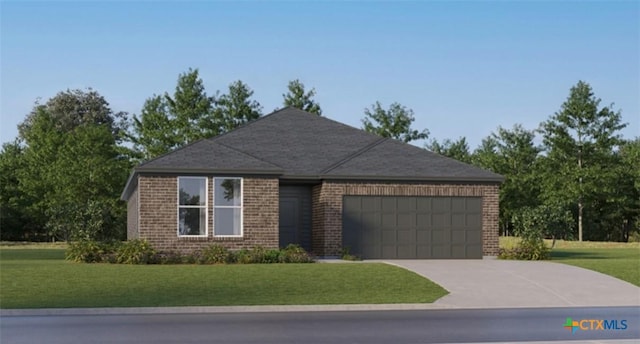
x: 400, y: 227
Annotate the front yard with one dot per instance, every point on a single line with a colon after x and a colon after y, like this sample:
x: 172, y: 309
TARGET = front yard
x: 620, y: 260
x: 41, y: 278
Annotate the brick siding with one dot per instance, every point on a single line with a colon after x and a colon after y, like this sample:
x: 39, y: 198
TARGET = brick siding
x: 158, y: 215
x: 327, y: 207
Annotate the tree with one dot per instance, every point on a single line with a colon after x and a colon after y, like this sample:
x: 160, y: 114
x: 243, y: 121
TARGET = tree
x: 394, y: 122
x: 458, y: 149
x: 169, y: 122
x: 297, y: 98
x: 153, y: 131
x: 73, y: 171
x: 236, y: 107
x: 579, y: 142
x: 15, y: 223
x: 512, y: 153
x: 191, y: 109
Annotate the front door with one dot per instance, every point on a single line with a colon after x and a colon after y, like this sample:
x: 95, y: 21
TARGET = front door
x: 295, y: 216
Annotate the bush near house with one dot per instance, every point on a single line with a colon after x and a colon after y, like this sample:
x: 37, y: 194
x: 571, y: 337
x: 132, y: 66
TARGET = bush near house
x: 141, y: 252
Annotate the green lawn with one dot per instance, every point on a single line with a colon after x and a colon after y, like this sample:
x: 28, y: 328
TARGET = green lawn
x: 622, y: 263
x: 617, y: 259
x: 41, y: 278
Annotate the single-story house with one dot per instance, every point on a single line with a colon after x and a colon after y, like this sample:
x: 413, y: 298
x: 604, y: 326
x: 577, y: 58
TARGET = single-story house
x: 295, y: 177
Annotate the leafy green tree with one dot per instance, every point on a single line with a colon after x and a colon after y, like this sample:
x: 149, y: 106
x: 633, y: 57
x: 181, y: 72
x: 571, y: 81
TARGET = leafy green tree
x: 15, y: 223
x: 73, y: 172
x: 513, y: 154
x: 298, y: 98
x: 579, y: 143
x: 236, y: 107
x: 458, y: 149
x: 154, y: 134
x: 168, y: 122
x: 394, y: 122
x: 191, y: 109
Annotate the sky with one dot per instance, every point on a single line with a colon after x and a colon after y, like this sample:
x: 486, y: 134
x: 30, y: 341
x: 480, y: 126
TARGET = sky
x: 464, y: 68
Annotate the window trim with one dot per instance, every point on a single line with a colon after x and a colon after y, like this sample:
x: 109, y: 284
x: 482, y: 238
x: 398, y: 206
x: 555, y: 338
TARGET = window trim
x: 205, y: 207
x: 241, y: 207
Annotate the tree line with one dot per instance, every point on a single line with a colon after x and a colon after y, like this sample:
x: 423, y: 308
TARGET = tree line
x: 62, y: 176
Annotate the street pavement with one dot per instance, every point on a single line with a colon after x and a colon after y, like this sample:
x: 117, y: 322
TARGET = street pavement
x: 370, y: 327
x: 492, y: 283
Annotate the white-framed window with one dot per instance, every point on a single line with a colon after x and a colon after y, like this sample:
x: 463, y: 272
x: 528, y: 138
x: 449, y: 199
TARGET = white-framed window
x: 192, y: 206
x: 227, y: 207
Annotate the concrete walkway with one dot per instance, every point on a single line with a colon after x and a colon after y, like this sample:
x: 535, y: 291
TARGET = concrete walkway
x: 492, y: 283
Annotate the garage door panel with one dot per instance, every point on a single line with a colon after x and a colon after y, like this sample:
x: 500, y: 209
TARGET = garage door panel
x: 440, y: 236
x: 423, y: 236
x: 389, y: 204
x: 458, y: 204
x: 391, y: 227
x: 423, y: 251
x: 423, y: 204
x: 441, y: 204
x: 389, y: 219
x: 458, y: 237
x: 406, y: 237
x: 458, y: 219
x: 441, y: 219
x: 406, y: 220
x: 441, y: 252
x: 474, y: 205
x: 474, y: 237
x: 458, y: 251
x: 423, y: 220
x: 371, y: 204
x: 406, y: 203
x: 406, y: 252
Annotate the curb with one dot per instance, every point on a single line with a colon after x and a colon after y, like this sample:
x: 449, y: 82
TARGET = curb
x: 220, y: 309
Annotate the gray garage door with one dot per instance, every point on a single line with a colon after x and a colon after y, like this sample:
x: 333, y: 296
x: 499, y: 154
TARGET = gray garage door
x: 412, y: 227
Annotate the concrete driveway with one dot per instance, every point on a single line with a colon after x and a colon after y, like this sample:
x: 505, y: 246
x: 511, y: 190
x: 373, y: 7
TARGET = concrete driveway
x: 492, y: 283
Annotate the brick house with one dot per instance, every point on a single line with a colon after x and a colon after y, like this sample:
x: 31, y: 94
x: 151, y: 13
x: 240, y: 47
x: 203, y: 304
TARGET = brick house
x: 294, y: 177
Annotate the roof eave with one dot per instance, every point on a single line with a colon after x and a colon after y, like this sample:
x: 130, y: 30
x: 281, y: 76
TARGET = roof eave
x: 132, y: 181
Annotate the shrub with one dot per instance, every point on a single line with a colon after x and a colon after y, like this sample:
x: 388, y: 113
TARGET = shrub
x: 214, y: 254
x: 345, y: 254
x: 241, y: 257
x: 90, y: 251
x: 135, y: 252
x: 531, y: 224
x: 294, y: 254
x: 168, y: 257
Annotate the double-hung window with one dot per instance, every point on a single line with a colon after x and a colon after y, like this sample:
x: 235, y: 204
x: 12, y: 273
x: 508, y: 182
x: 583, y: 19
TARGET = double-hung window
x: 227, y: 207
x: 192, y: 206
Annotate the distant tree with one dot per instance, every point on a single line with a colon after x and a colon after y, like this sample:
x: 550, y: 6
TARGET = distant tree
x: 298, y: 98
x: 154, y: 134
x: 168, y: 122
x: 394, y: 122
x: 73, y: 170
x: 579, y: 142
x: 15, y: 223
x: 236, y: 107
x: 513, y: 154
x: 458, y: 149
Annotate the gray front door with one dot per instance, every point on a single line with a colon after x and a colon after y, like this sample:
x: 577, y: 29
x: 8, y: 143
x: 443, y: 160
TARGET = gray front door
x: 412, y: 227
x: 295, y: 216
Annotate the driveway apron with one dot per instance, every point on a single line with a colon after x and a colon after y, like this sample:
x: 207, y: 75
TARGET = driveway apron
x: 492, y: 283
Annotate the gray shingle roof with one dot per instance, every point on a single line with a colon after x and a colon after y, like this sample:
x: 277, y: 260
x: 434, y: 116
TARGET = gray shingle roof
x: 292, y: 144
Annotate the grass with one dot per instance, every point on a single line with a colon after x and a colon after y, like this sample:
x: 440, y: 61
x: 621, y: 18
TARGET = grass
x: 41, y: 278
x: 617, y: 259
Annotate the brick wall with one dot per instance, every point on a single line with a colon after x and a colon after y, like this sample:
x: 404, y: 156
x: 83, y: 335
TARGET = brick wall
x: 132, y: 216
x: 158, y: 215
x: 327, y: 218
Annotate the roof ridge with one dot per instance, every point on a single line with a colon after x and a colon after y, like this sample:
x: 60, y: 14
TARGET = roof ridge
x: 170, y: 152
x: 246, y: 124
x: 353, y: 155
x: 250, y: 155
